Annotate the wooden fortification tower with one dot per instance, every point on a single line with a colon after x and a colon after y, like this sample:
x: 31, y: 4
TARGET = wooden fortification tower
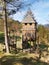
x: 29, y: 28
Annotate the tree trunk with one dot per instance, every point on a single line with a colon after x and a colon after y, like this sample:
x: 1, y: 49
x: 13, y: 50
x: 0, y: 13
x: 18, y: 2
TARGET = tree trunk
x: 5, y: 28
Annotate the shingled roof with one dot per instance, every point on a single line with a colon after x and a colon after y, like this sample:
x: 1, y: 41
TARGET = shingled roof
x: 29, y: 18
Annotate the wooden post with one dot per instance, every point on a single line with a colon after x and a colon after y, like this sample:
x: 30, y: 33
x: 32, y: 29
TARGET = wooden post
x: 35, y: 46
x: 30, y: 45
x: 35, y: 31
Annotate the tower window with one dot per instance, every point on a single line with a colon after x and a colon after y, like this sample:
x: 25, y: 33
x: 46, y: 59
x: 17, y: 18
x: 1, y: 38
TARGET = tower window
x: 30, y: 23
x: 25, y: 23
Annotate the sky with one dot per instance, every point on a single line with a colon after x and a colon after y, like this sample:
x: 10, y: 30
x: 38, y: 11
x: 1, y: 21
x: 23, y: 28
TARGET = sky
x: 39, y: 8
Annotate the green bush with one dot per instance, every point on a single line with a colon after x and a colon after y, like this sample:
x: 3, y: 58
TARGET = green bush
x: 1, y: 37
x: 43, y: 46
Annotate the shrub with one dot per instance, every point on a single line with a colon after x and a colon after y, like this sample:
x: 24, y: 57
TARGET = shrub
x: 1, y: 37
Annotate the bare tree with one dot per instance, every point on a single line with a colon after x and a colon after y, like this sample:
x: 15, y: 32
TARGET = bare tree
x: 5, y: 25
x: 5, y: 28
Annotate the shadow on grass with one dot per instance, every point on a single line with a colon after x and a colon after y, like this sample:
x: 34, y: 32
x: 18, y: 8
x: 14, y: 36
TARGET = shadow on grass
x: 15, y: 60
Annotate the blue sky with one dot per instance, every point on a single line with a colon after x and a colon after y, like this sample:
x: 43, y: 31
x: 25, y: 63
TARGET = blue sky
x: 39, y: 8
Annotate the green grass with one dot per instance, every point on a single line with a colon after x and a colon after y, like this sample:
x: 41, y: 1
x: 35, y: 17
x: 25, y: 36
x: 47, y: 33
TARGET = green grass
x: 20, y: 59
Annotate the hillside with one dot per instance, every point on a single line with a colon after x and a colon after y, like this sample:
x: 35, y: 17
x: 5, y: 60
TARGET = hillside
x: 11, y: 24
x: 43, y: 32
x: 46, y: 25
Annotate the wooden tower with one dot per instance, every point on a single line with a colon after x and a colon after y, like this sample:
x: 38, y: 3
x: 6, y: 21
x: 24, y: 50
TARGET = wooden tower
x: 29, y: 28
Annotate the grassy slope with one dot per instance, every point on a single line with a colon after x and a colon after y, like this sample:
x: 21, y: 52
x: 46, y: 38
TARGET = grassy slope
x: 21, y: 59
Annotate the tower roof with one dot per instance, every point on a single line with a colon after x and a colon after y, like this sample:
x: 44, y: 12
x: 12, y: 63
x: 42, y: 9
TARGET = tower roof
x: 29, y: 18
